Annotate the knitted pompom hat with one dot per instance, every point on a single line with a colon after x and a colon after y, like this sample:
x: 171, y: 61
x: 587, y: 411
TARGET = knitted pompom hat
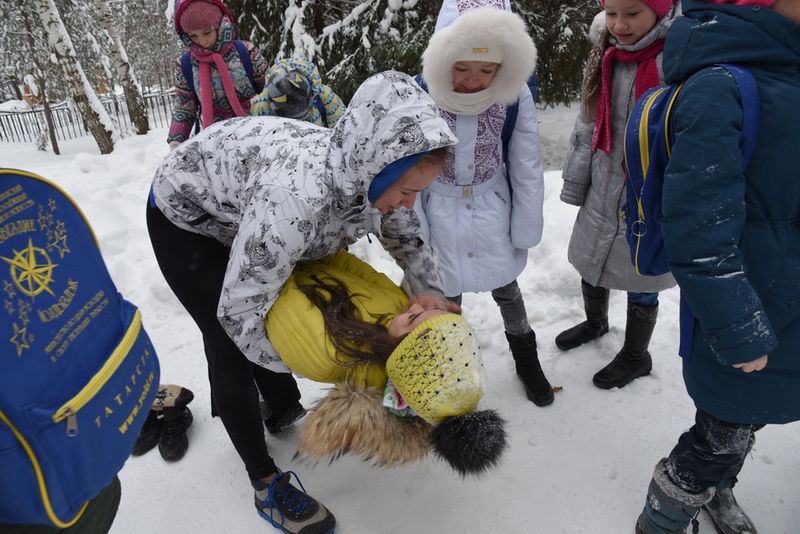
x: 437, y: 368
x: 660, y: 7
x: 200, y: 15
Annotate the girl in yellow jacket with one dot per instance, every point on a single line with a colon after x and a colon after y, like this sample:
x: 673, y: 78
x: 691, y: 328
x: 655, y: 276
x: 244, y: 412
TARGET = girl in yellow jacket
x: 407, y: 378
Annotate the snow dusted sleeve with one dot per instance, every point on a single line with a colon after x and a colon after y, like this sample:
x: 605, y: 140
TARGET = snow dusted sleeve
x: 271, y: 239
x: 184, y: 113
x: 704, y: 223
x: 526, y: 175
x: 402, y: 237
x: 577, y: 173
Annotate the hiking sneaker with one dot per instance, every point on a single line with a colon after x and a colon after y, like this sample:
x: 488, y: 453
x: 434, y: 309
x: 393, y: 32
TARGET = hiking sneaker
x: 173, y: 442
x: 289, y: 509
x: 148, y: 436
x: 278, y: 421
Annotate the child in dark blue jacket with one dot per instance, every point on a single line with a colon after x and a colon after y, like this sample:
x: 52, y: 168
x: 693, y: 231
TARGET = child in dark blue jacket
x: 733, y: 239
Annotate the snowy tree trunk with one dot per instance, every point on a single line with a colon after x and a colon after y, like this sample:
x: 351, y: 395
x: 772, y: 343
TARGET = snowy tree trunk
x: 94, y: 114
x: 40, y: 79
x: 124, y: 70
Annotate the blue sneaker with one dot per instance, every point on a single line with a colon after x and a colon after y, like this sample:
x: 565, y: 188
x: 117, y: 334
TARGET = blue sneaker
x: 291, y: 510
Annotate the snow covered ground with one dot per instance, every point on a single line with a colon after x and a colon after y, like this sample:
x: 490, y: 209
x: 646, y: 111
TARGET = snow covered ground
x: 580, y: 465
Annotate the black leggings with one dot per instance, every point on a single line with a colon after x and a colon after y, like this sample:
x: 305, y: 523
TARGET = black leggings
x: 194, y: 267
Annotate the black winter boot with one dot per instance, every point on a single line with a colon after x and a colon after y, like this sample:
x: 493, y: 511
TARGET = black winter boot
x: 595, y: 303
x: 633, y: 360
x: 529, y: 370
x: 150, y: 433
x: 279, y: 420
x: 174, y: 443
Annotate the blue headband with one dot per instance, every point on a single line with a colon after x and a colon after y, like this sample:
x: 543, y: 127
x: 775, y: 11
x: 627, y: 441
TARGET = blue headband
x: 390, y: 174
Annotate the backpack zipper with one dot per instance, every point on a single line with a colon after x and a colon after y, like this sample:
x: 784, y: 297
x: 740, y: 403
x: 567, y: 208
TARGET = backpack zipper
x: 69, y: 409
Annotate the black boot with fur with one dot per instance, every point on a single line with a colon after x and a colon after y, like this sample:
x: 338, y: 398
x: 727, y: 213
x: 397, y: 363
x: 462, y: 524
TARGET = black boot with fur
x: 595, y: 303
x: 529, y: 370
x: 633, y: 360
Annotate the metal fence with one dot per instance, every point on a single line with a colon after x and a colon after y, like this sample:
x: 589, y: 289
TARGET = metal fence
x: 28, y: 126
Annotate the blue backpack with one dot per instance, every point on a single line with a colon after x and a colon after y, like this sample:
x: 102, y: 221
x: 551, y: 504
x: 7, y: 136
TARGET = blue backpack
x: 647, y: 151
x: 78, y: 373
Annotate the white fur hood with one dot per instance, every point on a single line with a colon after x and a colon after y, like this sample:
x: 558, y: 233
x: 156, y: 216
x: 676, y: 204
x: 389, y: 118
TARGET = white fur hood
x: 482, y: 27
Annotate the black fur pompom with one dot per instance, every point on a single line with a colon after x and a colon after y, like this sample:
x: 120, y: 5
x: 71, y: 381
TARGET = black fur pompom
x: 471, y: 443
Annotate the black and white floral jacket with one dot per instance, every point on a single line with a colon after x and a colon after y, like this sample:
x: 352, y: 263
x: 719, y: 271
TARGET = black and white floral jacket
x: 279, y: 191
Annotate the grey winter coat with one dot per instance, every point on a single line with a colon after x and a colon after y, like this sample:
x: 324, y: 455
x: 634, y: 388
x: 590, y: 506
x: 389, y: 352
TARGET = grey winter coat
x: 279, y: 191
x: 595, y: 181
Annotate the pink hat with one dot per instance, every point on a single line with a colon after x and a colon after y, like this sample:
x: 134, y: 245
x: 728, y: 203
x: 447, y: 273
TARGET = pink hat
x: 765, y: 3
x: 661, y: 7
x: 200, y: 15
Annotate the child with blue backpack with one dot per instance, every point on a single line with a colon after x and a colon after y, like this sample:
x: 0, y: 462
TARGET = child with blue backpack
x: 624, y: 63
x: 484, y: 210
x: 733, y: 240
x: 218, y: 76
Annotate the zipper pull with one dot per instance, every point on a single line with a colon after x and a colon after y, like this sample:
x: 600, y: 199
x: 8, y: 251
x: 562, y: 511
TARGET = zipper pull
x: 72, y: 425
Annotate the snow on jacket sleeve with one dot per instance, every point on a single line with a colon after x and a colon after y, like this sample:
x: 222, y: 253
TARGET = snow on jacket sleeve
x: 271, y: 239
x: 184, y: 113
x: 402, y: 236
x: 704, y: 214
x: 577, y: 173
x: 526, y: 175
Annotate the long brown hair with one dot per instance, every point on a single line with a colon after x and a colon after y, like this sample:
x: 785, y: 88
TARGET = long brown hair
x: 359, y: 341
x: 592, y: 76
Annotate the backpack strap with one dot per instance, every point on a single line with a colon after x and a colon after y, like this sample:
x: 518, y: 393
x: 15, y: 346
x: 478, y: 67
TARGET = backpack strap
x: 186, y: 68
x: 748, y: 89
x: 321, y: 108
x: 244, y: 56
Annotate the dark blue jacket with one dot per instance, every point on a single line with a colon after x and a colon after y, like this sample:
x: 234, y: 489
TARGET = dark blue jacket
x: 733, y: 237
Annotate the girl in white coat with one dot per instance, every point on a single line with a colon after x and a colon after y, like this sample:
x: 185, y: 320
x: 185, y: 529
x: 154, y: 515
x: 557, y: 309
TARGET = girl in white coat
x: 484, y: 210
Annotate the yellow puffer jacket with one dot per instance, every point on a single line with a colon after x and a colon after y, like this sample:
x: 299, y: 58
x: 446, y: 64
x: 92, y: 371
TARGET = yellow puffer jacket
x: 297, y: 331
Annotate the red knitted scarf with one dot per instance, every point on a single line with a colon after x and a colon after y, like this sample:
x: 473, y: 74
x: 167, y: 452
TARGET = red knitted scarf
x: 646, y: 77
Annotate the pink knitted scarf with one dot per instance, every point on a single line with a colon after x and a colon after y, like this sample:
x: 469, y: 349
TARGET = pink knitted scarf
x: 205, y: 58
x: 646, y: 77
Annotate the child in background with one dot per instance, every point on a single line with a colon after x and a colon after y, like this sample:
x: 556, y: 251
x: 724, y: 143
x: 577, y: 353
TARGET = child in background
x: 733, y: 240
x: 225, y: 73
x: 294, y: 90
x: 483, y: 214
x: 622, y: 65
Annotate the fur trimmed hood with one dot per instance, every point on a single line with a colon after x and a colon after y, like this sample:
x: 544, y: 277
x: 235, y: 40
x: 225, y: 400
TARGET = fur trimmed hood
x: 483, y: 27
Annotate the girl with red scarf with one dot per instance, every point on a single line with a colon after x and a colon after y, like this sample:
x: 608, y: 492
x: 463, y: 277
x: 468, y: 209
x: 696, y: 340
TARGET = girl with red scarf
x: 220, y: 87
x: 625, y: 62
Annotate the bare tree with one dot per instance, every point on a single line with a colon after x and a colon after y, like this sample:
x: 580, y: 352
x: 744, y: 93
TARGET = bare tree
x: 124, y: 71
x: 39, y: 75
x: 94, y: 115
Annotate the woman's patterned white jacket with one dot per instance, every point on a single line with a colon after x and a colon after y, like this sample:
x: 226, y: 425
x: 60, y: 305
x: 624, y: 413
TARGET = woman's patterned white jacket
x: 279, y: 191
